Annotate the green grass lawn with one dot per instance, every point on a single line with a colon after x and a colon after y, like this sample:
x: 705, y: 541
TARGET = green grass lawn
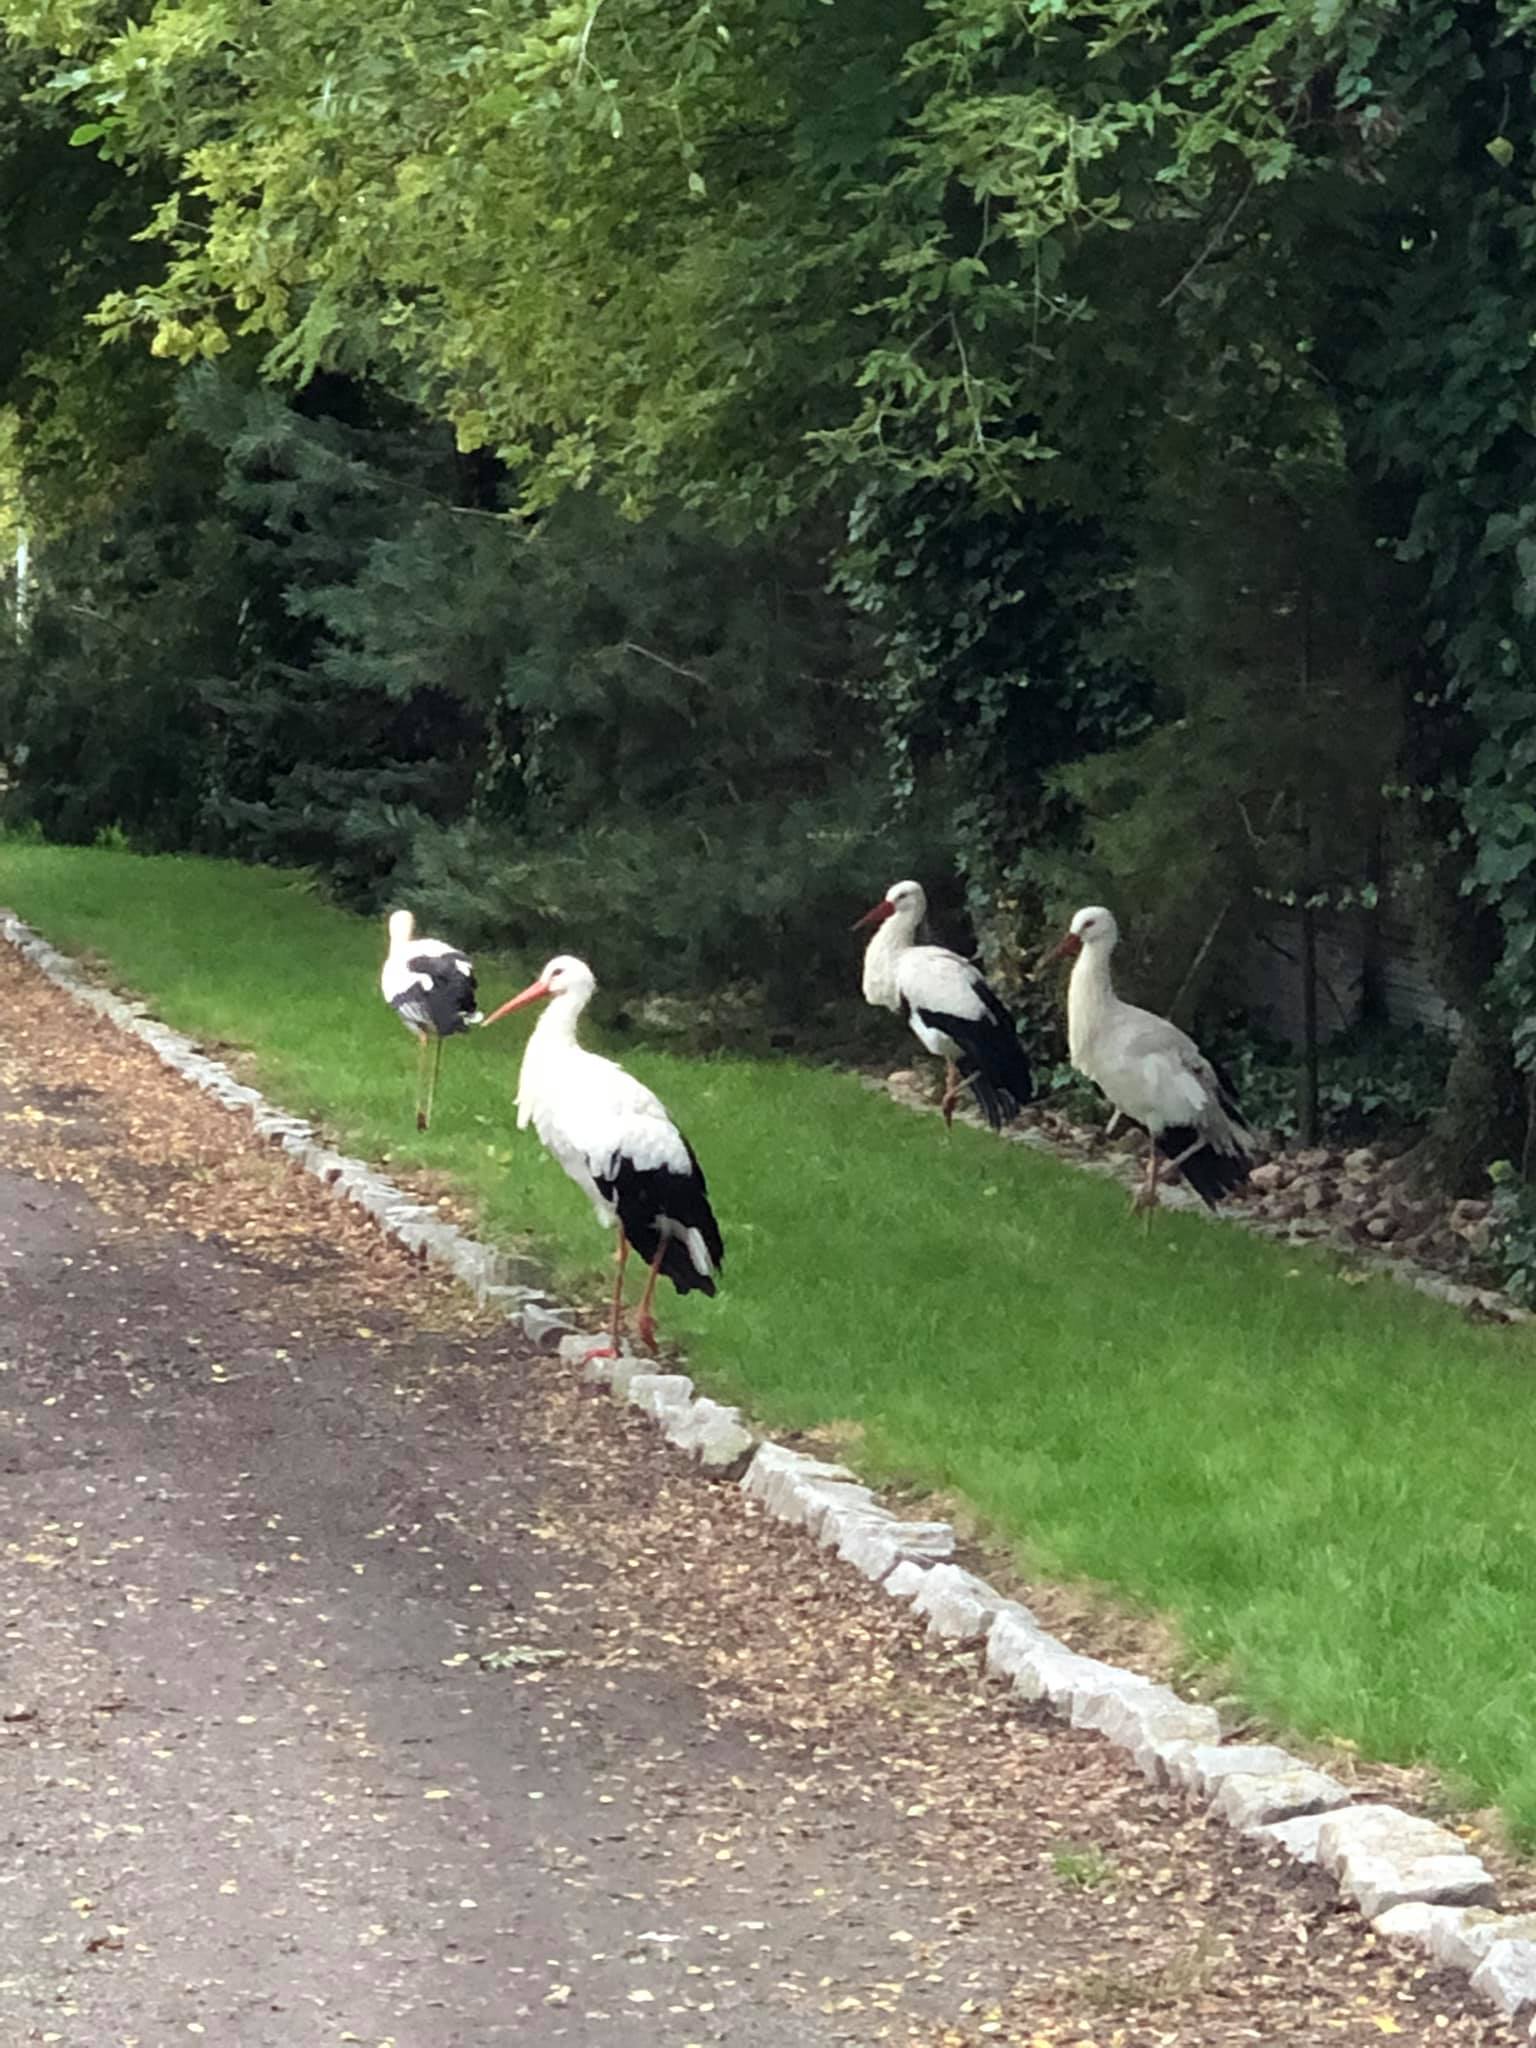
x: 1328, y: 1486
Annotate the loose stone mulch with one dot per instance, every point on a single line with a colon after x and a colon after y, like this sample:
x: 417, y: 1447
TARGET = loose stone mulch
x: 1340, y: 1199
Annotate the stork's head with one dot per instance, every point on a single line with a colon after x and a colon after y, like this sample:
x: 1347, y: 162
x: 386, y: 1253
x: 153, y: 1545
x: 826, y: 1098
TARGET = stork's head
x: 565, y: 975
x: 402, y: 927
x: 1093, y: 929
x: 904, y: 900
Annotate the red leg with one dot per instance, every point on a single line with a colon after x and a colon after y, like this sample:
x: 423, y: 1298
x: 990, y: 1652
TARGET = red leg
x: 616, y: 1313
x: 645, y: 1322
x: 423, y: 1108
x: 1145, y: 1197
x: 951, y: 1092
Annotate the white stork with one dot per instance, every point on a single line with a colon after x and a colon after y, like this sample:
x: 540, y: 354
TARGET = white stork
x: 430, y: 986
x: 618, y: 1144
x: 948, y: 1005
x: 1151, y: 1071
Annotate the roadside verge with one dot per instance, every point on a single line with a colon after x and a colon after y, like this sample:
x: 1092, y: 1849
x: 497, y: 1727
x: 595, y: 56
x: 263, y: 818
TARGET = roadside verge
x: 1416, y: 1881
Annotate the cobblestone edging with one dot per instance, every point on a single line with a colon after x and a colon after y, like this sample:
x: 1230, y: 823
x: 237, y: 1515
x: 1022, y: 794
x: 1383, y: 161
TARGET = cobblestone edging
x: 1415, y: 1881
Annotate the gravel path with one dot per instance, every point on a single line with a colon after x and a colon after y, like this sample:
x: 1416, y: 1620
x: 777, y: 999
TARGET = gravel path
x: 367, y: 1680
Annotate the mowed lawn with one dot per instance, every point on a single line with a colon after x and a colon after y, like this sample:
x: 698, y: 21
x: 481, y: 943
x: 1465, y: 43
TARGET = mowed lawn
x: 1328, y: 1485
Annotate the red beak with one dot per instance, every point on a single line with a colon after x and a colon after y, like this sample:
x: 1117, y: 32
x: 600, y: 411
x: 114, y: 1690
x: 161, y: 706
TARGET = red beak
x: 1067, y: 947
x: 878, y: 915
x: 530, y: 994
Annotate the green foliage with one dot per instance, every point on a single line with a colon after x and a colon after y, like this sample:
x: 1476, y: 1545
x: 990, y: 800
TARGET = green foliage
x: 1000, y: 663
x: 289, y: 642
x: 1028, y: 315
x: 98, y: 725
x: 1088, y: 1869
x: 1376, y: 1083
x: 1261, y: 779
x: 1513, y: 1237
x: 71, y: 230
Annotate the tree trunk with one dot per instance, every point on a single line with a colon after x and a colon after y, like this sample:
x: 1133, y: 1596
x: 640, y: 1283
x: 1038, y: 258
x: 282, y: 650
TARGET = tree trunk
x: 1483, y: 1115
x: 1481, y: 1118
x: 1307, y: 1118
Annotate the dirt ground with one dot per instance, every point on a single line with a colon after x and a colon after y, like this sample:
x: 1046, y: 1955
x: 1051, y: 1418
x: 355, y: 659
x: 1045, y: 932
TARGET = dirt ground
x: 366, y: 1679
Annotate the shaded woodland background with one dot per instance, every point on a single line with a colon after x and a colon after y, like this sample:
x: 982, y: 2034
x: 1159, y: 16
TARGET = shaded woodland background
x: 639, y: 478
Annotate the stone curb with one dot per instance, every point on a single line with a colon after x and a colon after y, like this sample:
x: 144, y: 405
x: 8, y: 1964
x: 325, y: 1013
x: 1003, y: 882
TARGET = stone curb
x: 1416, y: 1882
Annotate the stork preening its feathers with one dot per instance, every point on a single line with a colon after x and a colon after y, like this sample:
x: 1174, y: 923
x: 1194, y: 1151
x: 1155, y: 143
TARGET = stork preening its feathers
x: 1151, y: 1071
x: 618, y: 1144
x: 949, y: 1006
x: 430, y: 986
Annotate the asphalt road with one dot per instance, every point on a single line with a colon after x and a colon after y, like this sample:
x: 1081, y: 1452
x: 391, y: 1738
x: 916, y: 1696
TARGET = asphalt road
x: 368, y: 1680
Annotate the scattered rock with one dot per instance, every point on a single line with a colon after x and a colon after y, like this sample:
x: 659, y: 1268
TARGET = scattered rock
x: 578, y: 1347
x: 1274, y: 1173
x: 713, y: 1432
x: 1262, y: 1799
x: 819, y: 1501
x: 780, y: 1479
x: 622, y: 1372
x: 1380, y: 1830
x: 873, y: 1541
x: 1457, y: 1937
x: 958, y: 1606
x: 1297, y: 1838
x: 1140, y: 1714
x: 1202, y: 1767
x: 660, y: 1394
x: 1012, y: 1641
x: 907, y: 1578
x: 1418, y: 1924
x: 1506, y: 1976
x: 1050, y: 1671
x: 1377, y: 1882
x: 508, y: 1298
x: 541, y: 1324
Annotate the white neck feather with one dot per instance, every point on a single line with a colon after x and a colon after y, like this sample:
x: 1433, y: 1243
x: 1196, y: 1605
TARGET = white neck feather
x: 1091, y: 1000
x: 890, y: 941
x: 552, y: 1040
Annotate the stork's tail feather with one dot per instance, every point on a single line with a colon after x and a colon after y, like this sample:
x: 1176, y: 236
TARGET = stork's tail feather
x: 677, y: 1264
x: 1213, y: 1175
x: 998, y: 1103
x: 1227, y: 1096
x: 667, y: 1211
x: 992, y: 1060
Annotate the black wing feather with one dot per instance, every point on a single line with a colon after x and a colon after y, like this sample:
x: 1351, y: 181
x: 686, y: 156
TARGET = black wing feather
x: 647, y: 1198
x: 1210, y: 1173
x: 991, y: 1057
x: 447, y: 1004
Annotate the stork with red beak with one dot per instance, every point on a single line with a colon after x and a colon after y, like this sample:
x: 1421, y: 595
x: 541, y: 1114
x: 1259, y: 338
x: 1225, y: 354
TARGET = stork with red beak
x: 618, y: 1144
x: 949, y: 1006
x: 1151, y: 1071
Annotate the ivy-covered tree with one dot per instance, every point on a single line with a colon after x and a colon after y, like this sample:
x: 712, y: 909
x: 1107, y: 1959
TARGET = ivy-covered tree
x: 1052, y: 269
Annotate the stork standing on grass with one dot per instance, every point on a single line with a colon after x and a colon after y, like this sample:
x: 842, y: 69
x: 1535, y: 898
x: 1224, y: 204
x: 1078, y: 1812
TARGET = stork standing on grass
x: 430, y: 985
x: 949, y: 1006
x: 1151, y: 1071
x: 618, y: 1144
